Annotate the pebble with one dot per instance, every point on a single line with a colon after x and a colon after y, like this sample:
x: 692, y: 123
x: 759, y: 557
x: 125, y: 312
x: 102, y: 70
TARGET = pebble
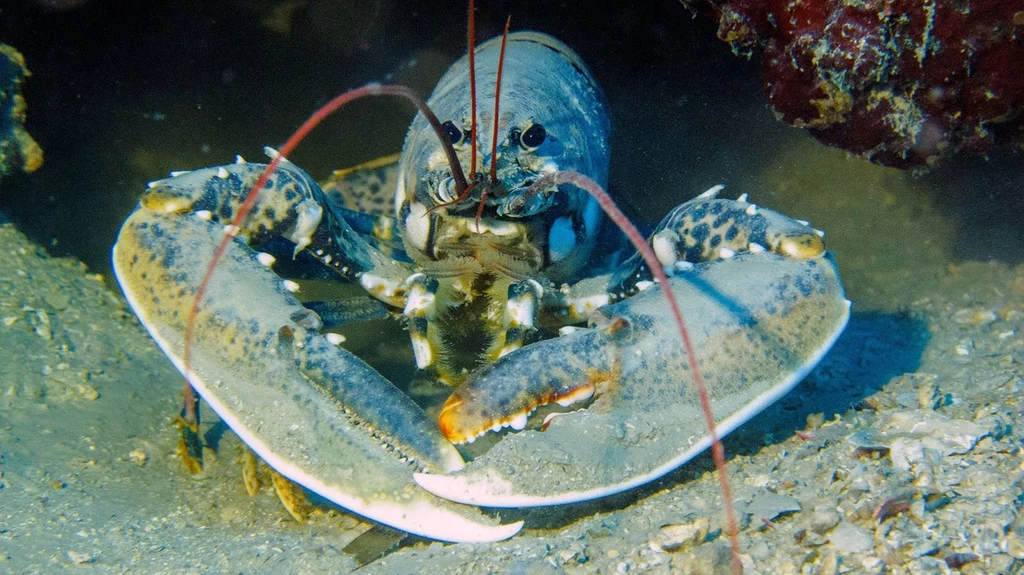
x: 41, y: 324
x: 974, y: 317
x: 848, y: 538
x: 678, y: 536
x: 823, y: 519
x: 80, y: 558
x: 917, y: 432
x: 770, y: 505
x: 87, y: 391
x: 138, y: 456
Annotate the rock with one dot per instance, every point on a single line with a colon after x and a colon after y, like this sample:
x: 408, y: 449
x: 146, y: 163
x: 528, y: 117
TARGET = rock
x: 848, y: 538
x: 974, y: 317
x: 823, y: 519
x: 675, y: 537
x: 915, y: 433
x: 768, y: 506
x: 18, y: 151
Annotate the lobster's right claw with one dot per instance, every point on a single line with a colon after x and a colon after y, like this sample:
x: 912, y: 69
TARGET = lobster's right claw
x: 313, y: 411
x: 759, y: 323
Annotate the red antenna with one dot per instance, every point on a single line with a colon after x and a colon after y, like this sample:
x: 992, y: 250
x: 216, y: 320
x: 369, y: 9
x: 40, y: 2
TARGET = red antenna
x: 627, y: 227
x: 494, y: 132
x: 472, y: 88
x: 497, y: 104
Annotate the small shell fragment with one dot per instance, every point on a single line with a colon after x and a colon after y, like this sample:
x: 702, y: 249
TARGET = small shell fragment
x: 678, y: 536
x: 138, y: 457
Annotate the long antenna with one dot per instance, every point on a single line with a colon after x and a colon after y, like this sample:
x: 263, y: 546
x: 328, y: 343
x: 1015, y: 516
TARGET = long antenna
x: 472, y: 88
x: 497, y: 104
x: 615, y: 214
x: 494, y: 132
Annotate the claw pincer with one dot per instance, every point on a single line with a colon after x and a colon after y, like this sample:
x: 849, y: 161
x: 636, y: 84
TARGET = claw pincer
x: 765, y: 321
x: 506, y: 392
x: 765, y: 318
x: 313, y: 411
x: 291, y: 206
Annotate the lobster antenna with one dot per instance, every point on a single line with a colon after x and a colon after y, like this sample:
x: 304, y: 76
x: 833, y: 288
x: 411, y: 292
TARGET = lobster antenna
x: 472, y: 88
x: 497, y: 103
x: 289, y: 146
x: 494, y: 132
x: 615, y: 214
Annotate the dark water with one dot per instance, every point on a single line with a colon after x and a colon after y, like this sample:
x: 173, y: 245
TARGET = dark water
x: 122, y: 92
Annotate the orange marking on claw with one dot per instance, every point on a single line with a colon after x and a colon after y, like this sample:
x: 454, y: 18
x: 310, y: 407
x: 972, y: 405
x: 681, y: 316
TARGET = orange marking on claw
x: 447, y: 420
x: 457, y: 430
x: 617, y: 325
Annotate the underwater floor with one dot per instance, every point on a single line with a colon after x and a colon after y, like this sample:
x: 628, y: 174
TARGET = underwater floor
x: 908, y: 458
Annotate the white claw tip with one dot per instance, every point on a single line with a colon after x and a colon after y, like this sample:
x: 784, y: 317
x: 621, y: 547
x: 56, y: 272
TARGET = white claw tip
x: 290, y: 286
x: 518, y: 423
x: 567, y: 330
x: 270, y: 152
x: 756, y: 248
x: 335, y: 338
x: 726, y: 253
x: 742, y: 198
x: 239, y: 159
x: 204, y: 215
x: 804, y: 222
x: 821, y: 233
x: 222, y: 173
x: 683, y: 266
x: 751, y: 210
x: 536, y: 286
x: 176, y: 173
x: 712, y: 191
x: 643, y: 285
x: 265, y: 259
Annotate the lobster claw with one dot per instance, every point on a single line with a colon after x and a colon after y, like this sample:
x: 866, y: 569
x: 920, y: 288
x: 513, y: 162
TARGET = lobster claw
x: 759, y: 323
x: 313, y: 411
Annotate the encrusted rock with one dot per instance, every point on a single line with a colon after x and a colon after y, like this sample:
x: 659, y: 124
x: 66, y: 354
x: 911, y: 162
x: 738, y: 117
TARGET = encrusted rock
x: 18, y: 151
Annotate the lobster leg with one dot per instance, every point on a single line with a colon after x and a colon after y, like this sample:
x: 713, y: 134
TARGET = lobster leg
x: 521, y: 305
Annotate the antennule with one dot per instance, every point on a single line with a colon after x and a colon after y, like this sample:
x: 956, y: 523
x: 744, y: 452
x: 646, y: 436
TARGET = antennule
x: 497, y: 104
x: 472, y: 87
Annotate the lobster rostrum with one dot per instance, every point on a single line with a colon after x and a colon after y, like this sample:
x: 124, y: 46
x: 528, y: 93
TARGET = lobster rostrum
x: 494, y: 226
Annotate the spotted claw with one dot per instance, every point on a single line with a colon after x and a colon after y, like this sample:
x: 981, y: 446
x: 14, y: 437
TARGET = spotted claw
x: 314, y: 412
x: 759, y: 323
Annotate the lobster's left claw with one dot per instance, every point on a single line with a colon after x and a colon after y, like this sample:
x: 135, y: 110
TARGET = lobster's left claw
x: 314, y: 412
x: 759, y: 323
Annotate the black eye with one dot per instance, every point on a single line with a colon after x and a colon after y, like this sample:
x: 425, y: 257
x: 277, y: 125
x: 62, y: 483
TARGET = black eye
x: 533, y: 136
x: 453, y: 132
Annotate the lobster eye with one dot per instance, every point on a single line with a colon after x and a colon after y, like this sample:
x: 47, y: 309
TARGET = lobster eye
x: 453, y: 132
x: 533, y: 136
